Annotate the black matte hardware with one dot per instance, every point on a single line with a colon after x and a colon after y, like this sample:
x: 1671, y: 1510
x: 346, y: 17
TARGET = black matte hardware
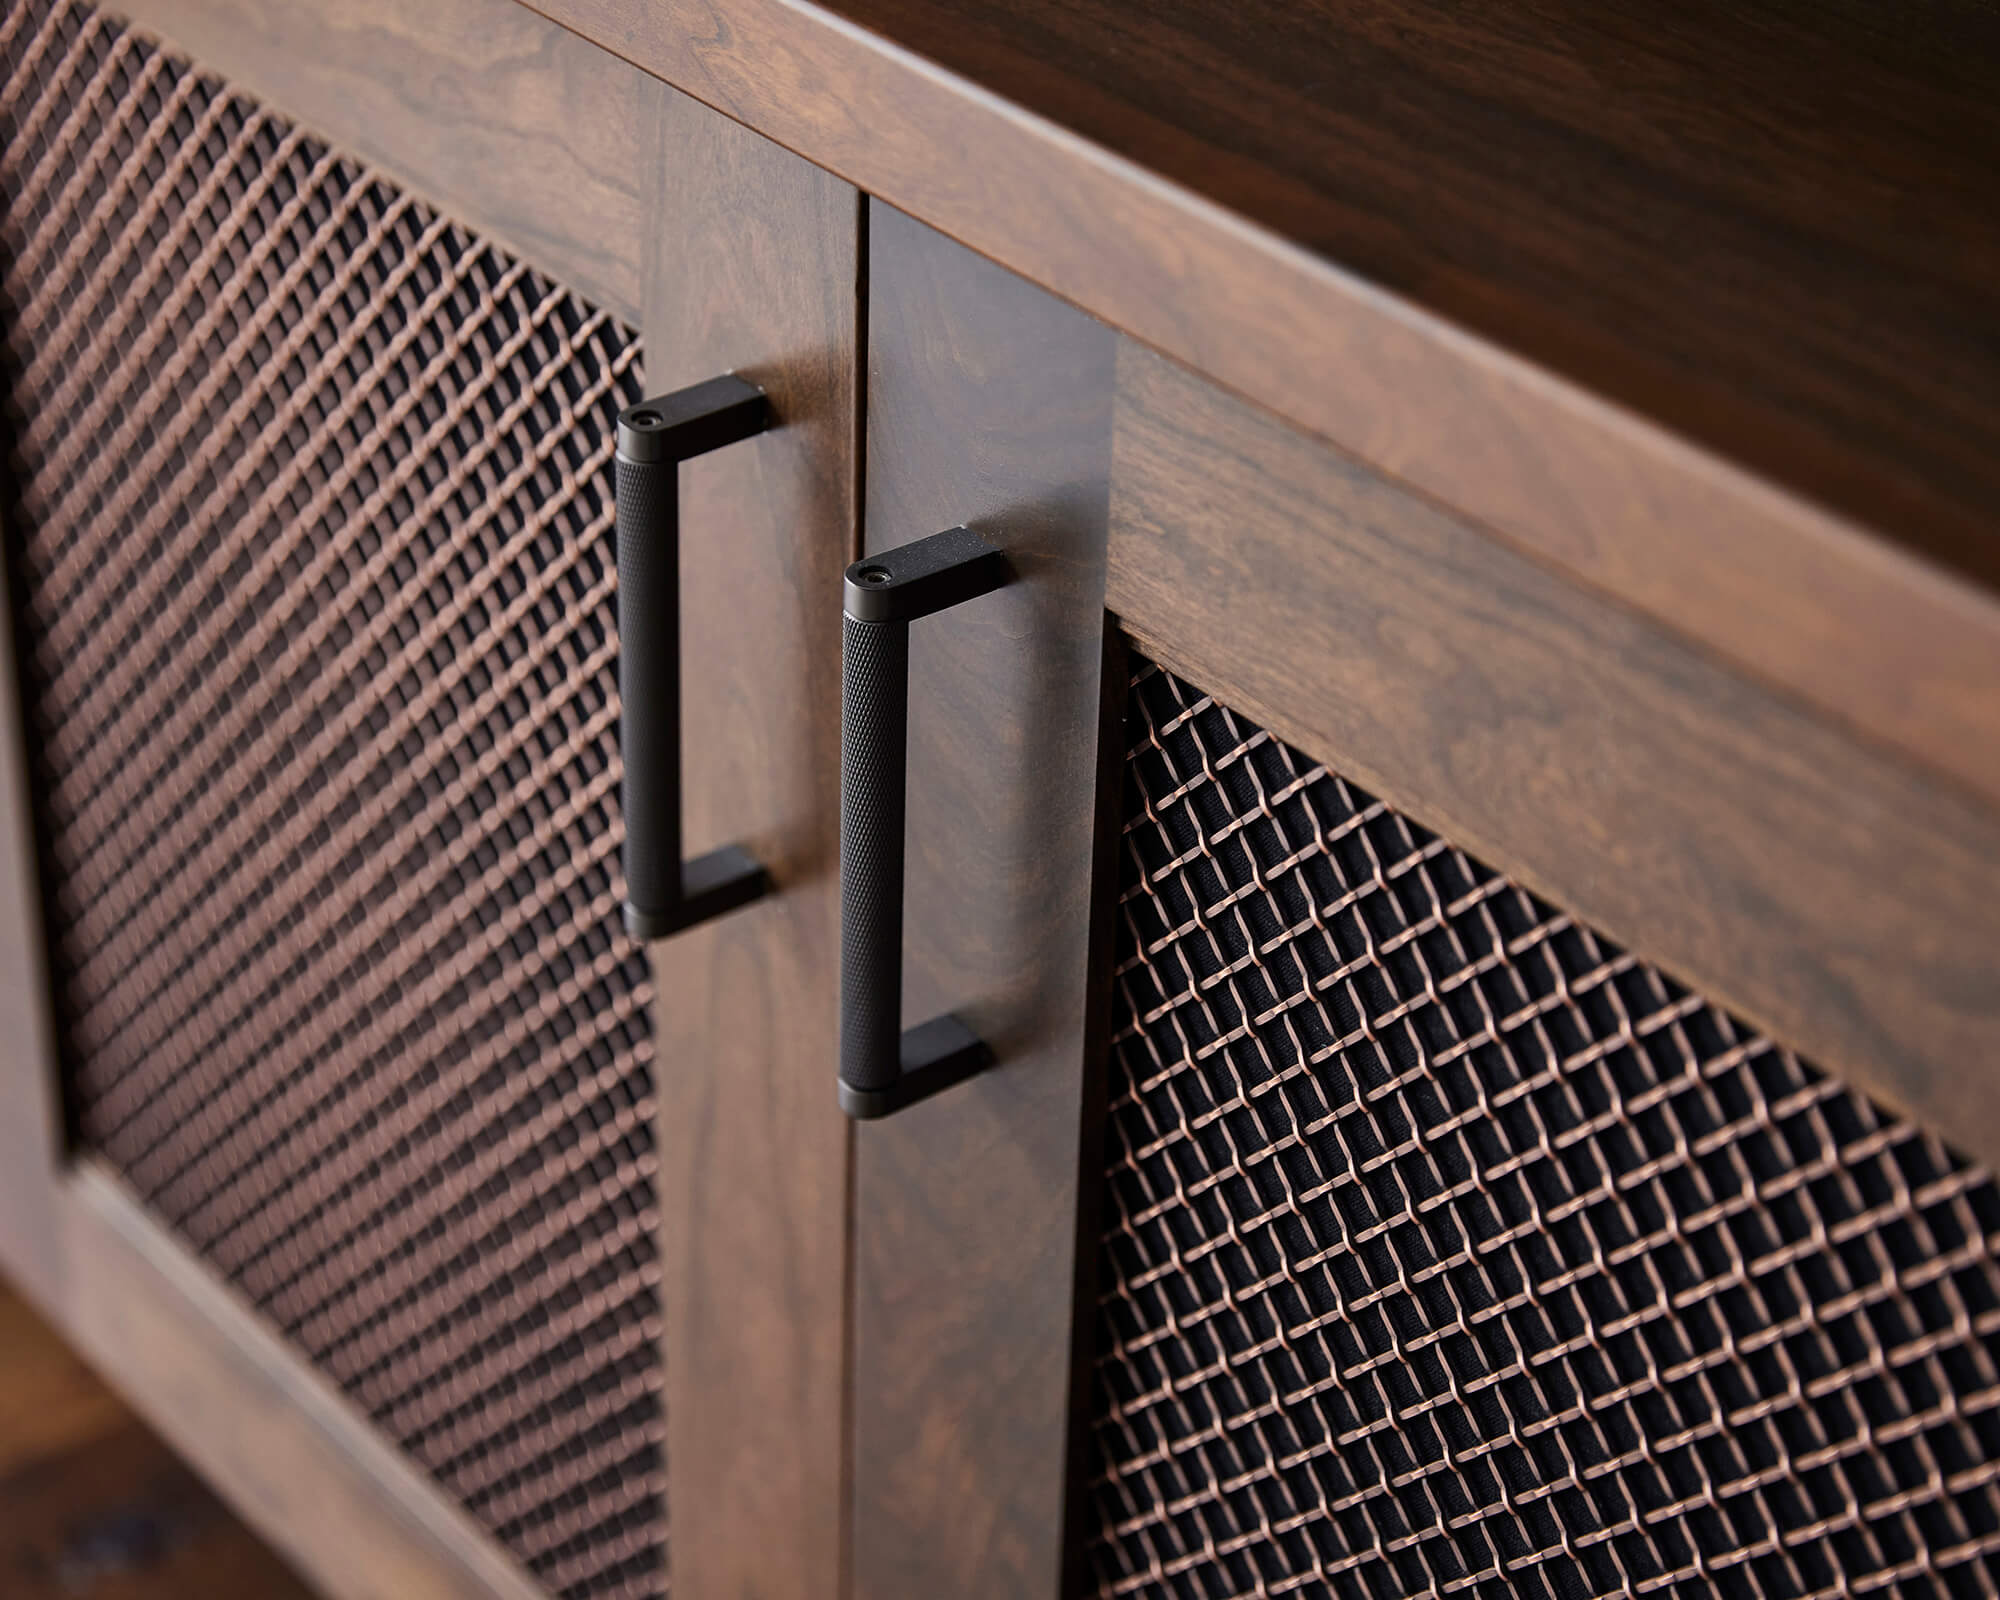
x: 664, y: 894
x: 882, y: 1068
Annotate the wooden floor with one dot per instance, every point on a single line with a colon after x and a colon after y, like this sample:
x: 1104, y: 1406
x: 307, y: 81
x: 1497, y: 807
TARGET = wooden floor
x: 92, y: 1505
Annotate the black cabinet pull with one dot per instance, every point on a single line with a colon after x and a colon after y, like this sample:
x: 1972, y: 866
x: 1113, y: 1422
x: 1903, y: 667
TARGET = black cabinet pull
x: 663, y: 894
x: 882, y: 1068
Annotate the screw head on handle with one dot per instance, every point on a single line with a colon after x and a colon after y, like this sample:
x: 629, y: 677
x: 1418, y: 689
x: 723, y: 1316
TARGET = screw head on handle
x: 924, y: 578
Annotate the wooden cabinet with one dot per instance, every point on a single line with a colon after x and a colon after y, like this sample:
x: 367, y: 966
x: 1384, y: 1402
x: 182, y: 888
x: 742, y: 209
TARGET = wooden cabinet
x: 336, y: 725
x: 1468, y: 830
x: 1226, y: 898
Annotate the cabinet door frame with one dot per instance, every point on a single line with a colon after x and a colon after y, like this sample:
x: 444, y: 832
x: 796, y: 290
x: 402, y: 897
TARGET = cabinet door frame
x: 588, y: 169
x: 755, y: 266
x: 1834, y: 894
x: 989, y: 404
x: 1830, y: 891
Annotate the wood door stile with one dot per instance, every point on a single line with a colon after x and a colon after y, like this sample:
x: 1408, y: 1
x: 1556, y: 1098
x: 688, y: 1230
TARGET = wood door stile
x: 730, y: 255
x: 31, y: 1133
x: 753, y: 268
x: 988, y: 404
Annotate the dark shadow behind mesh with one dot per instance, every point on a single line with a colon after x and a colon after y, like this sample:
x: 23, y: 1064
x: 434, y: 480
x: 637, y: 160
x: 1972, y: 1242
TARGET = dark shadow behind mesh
x: 1451, y: 1250
x: 311, y: 537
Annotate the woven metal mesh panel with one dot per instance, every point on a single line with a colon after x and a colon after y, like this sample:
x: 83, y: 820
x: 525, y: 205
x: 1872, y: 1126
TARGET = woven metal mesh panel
x: 313, y: 558
x: 1451, y: 1250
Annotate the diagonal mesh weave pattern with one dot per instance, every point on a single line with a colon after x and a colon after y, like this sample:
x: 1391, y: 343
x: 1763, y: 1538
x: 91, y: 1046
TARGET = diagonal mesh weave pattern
x: 313, y: 561
x: 1451, y: 1250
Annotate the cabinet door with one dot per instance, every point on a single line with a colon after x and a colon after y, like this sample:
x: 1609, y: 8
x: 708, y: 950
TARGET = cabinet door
x: 989, y: 405
x: 343, y: 1131
x: 1546, y: 1122
x: 1485, y: 1099
x: 760, y: 274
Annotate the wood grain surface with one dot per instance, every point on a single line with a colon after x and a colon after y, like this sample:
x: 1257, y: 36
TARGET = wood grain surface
x: 1774, y: 227
x: 271, y: 1435
x: 988, y: 404
x: 1822, y: 890
x: 31, y: 1136
x: 754, y: 268
x: 481, y: 107
x: 93, y: 1506
x: 1699, y: 311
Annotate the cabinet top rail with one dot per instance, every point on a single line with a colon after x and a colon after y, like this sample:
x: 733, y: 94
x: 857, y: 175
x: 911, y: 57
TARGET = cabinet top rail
x: 1704, y: 310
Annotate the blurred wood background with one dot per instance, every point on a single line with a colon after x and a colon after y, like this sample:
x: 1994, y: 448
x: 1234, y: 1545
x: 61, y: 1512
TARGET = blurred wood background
x: 92, y: 1505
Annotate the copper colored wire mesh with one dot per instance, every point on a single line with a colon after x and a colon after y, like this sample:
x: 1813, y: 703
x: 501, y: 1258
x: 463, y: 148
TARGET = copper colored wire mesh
x: 1451, y: 1250
x: 313, y: 556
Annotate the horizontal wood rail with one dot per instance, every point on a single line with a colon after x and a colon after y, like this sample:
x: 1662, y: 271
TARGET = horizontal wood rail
x: 1820, y: 889
x: 1155, y: 223
x: 288, y: 1451
x: 498, y: 118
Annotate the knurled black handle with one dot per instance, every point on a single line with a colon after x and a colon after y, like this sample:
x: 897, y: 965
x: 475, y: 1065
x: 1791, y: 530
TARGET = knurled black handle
x: 664, y: 894
x: 874, y: 718
x: 883, y: 1068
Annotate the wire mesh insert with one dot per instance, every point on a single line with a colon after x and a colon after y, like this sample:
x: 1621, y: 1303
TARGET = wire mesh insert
x: 311, y: 539
x: 1451, y: 1250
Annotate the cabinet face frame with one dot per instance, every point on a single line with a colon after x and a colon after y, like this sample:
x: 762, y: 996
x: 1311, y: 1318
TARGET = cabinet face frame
x: 732, y: 255
x: 1839, y: 898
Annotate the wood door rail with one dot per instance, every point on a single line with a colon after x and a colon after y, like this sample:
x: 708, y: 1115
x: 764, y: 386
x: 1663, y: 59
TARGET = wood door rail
x: 1702, y: 317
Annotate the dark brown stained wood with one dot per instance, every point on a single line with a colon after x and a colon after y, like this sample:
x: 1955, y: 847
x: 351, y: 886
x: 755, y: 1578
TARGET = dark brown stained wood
x: 50, y: 1402
x: 276, y: 1441
x: 1768, y: 229
x: 483, y: 108
x: 1830, y: 894
x: 754, y: 269
x: 988, y: 404
x: 122, y: 1519
x: 93, y: 1506
x: 1613, y: 192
